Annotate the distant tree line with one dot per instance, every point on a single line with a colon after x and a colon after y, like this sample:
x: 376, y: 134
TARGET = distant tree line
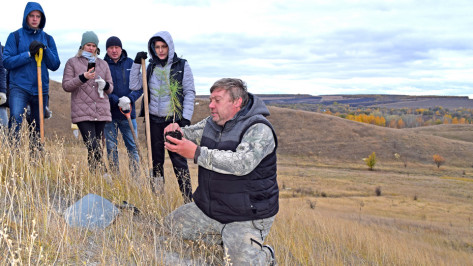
x: 391, y: 117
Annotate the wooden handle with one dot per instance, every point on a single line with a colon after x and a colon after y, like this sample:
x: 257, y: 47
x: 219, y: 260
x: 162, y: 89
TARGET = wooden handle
x: 148, y: 130
x: 39, y: 58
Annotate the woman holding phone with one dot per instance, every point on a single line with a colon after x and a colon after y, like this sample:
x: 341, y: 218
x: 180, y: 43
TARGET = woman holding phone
x: 89, y: 81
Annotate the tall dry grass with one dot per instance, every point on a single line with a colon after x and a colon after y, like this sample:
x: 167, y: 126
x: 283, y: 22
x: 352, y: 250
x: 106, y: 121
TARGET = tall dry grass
x: 329, y: 213
x: 36, y: 188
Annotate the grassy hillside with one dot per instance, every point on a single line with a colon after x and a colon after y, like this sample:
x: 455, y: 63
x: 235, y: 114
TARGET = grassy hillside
x: 333, y: 210
x: 337, y: 214
x: 454, y: 132
x: 326, y: 137
x: 322, y: 137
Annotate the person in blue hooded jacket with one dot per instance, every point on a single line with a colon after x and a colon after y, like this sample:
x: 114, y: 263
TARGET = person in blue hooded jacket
x: 121, y: 98
x: 3, y: 91
x: 19, y: 58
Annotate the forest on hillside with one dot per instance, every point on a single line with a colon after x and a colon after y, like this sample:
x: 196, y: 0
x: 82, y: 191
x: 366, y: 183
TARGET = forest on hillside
x: 390, y: 117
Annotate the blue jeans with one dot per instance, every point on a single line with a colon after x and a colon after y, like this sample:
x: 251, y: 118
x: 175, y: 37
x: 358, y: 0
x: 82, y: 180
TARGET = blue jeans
x: 18, y: 100
x: 111, y: 135
x: 3, y: 116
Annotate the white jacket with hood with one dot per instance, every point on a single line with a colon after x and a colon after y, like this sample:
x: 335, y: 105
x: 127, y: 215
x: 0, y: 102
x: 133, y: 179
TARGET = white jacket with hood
x: 159, y: 93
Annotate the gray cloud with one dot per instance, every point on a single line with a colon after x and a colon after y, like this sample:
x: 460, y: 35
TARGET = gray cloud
x: 297, y: 46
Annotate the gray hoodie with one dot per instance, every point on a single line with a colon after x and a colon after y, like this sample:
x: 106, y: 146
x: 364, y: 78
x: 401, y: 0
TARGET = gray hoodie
x: 159, y: 93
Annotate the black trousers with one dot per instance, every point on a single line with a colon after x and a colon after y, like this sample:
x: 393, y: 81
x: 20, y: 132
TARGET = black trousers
x: 158, y: 151
x: 179, y: 163
x: 92, y: 133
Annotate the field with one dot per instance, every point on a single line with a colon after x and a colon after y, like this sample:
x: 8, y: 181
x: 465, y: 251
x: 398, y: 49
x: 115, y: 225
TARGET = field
x: 333, y: 210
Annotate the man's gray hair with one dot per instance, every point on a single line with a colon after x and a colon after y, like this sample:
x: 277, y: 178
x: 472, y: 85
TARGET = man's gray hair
x: 236, y: 87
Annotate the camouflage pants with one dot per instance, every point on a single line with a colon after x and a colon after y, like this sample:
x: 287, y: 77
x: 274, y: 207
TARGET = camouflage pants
x: 242, y: 241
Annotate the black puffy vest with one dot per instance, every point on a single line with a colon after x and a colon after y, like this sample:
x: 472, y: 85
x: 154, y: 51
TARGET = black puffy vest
x: 229, y: 198
x: 177, y: 73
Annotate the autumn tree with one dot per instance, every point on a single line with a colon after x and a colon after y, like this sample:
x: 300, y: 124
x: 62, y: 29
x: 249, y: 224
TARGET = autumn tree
x: 400, y: 123
x: 438, y: 160
x: 370, y: 161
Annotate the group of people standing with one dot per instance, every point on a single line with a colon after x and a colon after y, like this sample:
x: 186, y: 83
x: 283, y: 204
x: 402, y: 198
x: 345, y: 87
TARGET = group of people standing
x: 235, y: 147
x: 101, y: 95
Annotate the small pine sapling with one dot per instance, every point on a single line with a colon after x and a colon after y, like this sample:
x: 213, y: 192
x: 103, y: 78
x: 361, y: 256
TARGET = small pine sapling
x: 171, y: 88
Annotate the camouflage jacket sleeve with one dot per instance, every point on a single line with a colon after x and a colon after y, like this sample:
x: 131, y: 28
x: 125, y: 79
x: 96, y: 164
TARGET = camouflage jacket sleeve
x: 194, y: 132
x: 257, y: 143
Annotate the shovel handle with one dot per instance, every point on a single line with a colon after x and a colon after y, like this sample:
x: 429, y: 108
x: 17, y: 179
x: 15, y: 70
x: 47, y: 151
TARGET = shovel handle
x: 148, y: 127
x: 39, y: 57
x: 135, y: 137
x: 127, y: 114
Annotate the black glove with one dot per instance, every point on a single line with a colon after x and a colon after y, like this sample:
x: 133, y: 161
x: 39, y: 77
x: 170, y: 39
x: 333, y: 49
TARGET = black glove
x: 184, y: 122
x: 34, y: 47
x: 139, y: 56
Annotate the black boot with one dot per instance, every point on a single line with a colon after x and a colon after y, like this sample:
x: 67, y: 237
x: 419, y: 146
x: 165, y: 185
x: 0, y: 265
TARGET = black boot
x: 184, y: 181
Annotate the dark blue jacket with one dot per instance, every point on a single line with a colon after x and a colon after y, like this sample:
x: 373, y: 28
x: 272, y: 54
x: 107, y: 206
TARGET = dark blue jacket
x: 22, y: 66
x: 3, y: 83
x: 121, y: 79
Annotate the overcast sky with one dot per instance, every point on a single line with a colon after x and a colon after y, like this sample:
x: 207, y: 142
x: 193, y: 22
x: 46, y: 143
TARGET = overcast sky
x: 287, y: 46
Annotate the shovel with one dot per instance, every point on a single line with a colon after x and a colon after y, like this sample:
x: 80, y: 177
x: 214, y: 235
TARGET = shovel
x: 157, y: 183
x: 148, y: 129
x: 39, y: 58
x: 128, y: 117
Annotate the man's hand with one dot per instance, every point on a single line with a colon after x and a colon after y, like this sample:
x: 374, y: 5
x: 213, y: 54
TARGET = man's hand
x: 139, y: 56
x: 34, y: 47
x: 184, y: 147
x: 124, y: 103
x: 3, y: 98
x: 101, y: 85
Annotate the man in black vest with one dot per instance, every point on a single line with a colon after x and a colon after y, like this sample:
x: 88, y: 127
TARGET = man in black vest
x: 238, y: 196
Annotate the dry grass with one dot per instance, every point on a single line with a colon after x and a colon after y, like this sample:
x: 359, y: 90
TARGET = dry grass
x: 329, y: 211
x: 329, y: 215
x: 35, y: 191
x: 421, y: 218
x: 455, y: 132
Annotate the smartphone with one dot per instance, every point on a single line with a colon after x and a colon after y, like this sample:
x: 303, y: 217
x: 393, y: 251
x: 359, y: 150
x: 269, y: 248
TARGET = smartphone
x: 90, y: 65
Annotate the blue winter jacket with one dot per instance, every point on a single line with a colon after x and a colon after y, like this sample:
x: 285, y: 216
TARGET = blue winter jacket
x: 16, y: 58
x: 3, y: 83
x: 121, y: 85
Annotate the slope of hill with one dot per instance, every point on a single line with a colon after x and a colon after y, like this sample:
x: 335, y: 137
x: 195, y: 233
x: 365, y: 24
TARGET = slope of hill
x: 322, y: 137
x: 328, y: 137
x: 455, y: 132
x: 60, y: 105
x: 372, y: 100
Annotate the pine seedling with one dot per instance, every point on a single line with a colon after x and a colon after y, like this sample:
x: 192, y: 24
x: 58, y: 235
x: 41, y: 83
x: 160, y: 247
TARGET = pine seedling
x: 172, y: 89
